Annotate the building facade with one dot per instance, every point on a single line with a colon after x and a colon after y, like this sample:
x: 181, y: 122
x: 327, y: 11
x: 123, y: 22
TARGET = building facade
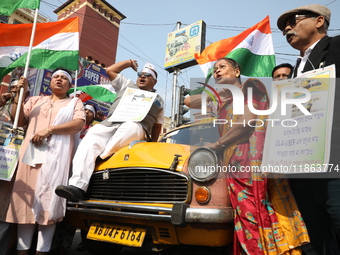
x: 99, y: 24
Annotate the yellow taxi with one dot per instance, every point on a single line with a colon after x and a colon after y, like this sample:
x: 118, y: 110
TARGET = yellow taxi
x: 165, y: 194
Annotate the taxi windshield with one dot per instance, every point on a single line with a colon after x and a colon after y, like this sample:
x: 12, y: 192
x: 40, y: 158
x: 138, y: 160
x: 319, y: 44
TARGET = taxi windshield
x: 197, y: 135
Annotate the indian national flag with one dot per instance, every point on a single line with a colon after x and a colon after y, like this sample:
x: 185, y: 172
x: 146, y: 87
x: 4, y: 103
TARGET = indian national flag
x: 101, y: 92
x: 253, y: 49
x: 7, y: 7
x: 56, y: 44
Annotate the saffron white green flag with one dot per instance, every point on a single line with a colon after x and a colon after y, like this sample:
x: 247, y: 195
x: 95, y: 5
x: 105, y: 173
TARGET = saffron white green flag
x: 253, y: 49
x: 7, y: 7
x: 101, y: 92
x: 56, y: 44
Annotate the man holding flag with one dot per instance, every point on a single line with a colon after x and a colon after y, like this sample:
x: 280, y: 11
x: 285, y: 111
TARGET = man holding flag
x: 7, y: 8
x: 51, y: 45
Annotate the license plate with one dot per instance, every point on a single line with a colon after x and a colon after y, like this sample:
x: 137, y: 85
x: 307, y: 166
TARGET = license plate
x: 117, y: 234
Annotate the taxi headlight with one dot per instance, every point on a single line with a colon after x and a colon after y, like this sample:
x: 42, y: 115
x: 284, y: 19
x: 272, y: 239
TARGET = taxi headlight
x: 202, y: 165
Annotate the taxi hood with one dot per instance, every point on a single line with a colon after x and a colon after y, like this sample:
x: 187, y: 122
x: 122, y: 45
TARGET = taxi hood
x: 147, y: 154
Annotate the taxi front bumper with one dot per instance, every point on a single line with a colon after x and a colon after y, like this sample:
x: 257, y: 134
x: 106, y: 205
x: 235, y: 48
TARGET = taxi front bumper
x: 179, y: 214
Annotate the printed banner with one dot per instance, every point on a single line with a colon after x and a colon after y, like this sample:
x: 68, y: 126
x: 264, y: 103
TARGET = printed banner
x: 299, y: 131
x: 182, y: 45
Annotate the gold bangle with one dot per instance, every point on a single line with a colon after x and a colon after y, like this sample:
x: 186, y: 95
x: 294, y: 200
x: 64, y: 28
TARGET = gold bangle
x: 49, y: 131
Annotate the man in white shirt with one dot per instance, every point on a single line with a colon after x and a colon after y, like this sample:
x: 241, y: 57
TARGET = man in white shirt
x: 107, y: 137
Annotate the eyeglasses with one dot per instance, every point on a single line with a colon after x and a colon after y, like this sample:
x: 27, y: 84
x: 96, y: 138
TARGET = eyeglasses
x: 292, y: 22
x: 145, y: 74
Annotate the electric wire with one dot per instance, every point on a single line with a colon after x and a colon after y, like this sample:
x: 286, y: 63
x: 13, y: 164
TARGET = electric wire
x: 184, y: 72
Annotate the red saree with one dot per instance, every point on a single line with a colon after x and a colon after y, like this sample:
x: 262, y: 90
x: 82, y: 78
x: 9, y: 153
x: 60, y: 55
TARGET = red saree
x: 263, y: 224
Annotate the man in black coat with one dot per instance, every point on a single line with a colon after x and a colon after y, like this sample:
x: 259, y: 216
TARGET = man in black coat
x: 317, y: 195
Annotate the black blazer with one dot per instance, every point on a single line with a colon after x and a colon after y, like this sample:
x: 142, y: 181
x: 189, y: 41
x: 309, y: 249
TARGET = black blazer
x: 327, y: 52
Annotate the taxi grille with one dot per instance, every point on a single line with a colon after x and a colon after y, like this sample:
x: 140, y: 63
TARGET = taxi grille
x: 139, y: 185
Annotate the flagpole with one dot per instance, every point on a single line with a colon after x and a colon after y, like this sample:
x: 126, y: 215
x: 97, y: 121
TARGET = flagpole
x: 75, y: 82
x: 21, y: 95
x: 174, y: 90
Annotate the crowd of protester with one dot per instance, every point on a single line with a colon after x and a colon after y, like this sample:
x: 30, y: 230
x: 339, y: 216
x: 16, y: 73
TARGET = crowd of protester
x: 308, y: 222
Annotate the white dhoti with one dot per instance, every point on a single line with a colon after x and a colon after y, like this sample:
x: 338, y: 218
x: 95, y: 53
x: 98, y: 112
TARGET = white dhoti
x: 104, y: 141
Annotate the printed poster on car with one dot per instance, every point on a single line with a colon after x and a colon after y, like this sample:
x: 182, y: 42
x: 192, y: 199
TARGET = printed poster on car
x: 133, y: 106
x: 9, y: 150
x: 298, y: 140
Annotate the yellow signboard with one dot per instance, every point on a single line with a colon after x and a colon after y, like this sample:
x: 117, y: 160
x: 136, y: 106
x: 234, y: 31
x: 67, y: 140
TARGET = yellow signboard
x: 183, y: 44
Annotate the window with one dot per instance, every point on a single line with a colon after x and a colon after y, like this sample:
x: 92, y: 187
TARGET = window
x: 3, y: 19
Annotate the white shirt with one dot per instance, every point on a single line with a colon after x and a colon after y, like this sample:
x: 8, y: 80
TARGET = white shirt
x: 305, y: 58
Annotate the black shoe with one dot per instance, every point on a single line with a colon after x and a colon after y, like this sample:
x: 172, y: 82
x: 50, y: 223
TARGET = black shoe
x: 70, y: 192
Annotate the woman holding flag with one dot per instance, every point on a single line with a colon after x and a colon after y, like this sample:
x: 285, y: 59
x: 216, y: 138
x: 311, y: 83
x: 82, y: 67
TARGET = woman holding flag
x: 53, y: 122
x: 263, y: 225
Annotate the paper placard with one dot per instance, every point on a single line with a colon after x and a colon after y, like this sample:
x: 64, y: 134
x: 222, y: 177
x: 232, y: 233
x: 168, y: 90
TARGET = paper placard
x: 9, y: 150
x: 35, y: 155
x: 304, y: 147
x: 133, y: 106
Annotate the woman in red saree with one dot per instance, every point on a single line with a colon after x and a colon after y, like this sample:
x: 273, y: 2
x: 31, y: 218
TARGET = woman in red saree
x: 267, y: 220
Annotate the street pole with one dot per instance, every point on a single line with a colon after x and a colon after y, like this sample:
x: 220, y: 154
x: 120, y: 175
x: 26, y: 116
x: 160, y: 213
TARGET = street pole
x: 174, y: 89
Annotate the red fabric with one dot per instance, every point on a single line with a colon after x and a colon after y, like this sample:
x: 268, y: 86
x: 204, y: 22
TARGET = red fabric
x: 84, y: 131
x: 248, y: 190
